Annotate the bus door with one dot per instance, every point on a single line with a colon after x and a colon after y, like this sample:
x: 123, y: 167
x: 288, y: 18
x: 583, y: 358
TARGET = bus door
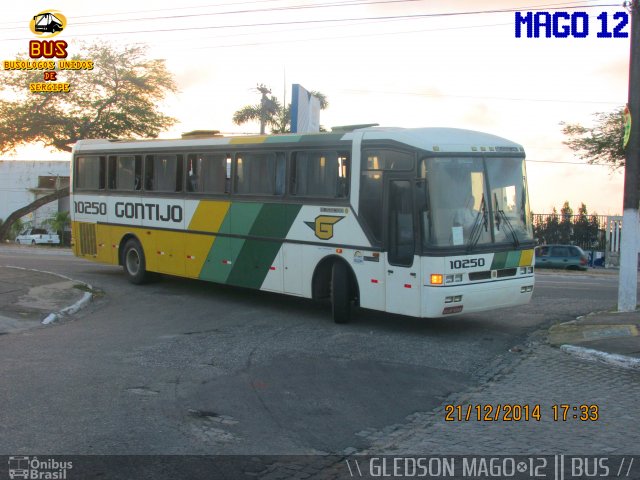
x: 403, y: 269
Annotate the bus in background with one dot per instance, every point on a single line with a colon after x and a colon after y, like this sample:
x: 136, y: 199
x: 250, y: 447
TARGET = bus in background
x: 426, y: 222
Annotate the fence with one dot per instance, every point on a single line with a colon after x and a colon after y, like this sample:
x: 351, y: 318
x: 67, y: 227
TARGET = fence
x: 614, y: 234
x: 588, y: 232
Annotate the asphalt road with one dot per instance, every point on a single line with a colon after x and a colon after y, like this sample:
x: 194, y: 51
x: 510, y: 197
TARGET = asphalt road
x: 186, y: 367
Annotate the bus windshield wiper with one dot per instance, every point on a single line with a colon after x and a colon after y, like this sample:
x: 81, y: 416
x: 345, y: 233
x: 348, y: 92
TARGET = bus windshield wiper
x: 476, y: 231
x: 512, y: 232
x: 501, y: 217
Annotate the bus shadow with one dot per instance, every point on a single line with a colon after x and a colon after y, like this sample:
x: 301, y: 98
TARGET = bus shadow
x: 298, y: 311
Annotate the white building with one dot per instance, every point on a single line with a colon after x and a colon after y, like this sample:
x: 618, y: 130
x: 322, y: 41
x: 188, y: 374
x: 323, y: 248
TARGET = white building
x: 23, y: 181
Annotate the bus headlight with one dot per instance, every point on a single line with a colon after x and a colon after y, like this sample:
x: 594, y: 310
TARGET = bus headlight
x: 453, y: 278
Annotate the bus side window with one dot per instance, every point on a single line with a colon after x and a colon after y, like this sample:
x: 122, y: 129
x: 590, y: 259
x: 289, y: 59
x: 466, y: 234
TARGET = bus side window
x: 344, y: 174
x: 208, y: 172
x: 371, y: 202
x: 137, y: 172
x: 401, y: 236
x: 111, y: 172
x: 423, y: 207
x: 128, y: 172
x: 280, y: 173
x: 90, y: 173
x: 319, y: 174
x: 259, y: 173
x: 163, y: 173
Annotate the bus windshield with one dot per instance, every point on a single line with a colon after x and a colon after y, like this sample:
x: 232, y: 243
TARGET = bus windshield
x: 474, y: 201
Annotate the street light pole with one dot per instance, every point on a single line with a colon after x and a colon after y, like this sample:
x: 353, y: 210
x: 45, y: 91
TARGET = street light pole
x: 628, y: 279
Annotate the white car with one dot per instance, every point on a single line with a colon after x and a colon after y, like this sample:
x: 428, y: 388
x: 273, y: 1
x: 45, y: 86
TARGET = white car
x: 33, y: 236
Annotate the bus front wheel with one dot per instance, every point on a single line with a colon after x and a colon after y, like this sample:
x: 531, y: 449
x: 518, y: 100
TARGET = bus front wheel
x: 133, y: 263
x: 340, y: 293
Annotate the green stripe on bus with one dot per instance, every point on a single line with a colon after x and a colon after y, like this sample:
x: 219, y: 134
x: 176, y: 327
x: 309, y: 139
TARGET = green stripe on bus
x: 256, y: 256
x: 246, y: 262
x: 325, y: 137
x: 499, y: 260
x: 513, y: 259
x: 283, y: 139
x: 224, y: 251
x: 505, y: 260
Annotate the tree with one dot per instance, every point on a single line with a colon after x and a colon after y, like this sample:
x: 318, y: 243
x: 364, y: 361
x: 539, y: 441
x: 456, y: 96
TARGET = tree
x: 5, y: 228
x: 582, y: 227
x: 59, y: 222
x: 270, y: 112
x: 118, y: 98
x: 566, y: 229
x: 552, y: 228
x: 15, y: 230
x: 602, y: 143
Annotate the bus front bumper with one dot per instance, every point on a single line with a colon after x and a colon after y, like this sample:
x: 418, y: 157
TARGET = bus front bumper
x: 443, y: 301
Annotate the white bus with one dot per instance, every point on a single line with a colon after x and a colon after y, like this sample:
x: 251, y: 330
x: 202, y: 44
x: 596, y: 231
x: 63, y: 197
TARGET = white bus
x: 426, y: 222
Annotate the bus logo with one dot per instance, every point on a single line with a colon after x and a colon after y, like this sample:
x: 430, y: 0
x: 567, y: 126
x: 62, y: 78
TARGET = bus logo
x: 48, y: 23
x: 18, y: 467
x: 323, y: 226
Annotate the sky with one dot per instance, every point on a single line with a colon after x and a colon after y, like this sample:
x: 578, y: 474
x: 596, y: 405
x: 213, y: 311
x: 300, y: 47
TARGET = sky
x: 416, y: 63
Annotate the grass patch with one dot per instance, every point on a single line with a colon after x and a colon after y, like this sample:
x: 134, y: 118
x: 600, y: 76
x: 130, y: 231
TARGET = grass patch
x: 86, y: 288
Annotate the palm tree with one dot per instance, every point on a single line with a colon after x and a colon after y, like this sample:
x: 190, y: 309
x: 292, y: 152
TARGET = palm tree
x: 270, y: 112
x: 59, y: 223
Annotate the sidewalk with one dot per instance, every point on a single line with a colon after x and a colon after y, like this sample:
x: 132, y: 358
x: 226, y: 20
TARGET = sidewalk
x: 611, y: 337
x: 29, y: 298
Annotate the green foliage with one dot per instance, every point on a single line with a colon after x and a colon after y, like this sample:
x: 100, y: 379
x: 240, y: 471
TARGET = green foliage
x: 550, y: 232
x: 566, y: 228
x: 17, y: 228
x: 59, y: 223
x: 118, y: 98
x: 601, y: 143
x: 271, y: 112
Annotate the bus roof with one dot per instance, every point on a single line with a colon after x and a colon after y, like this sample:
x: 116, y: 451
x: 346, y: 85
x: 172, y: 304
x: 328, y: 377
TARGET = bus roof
x: 452, y: 140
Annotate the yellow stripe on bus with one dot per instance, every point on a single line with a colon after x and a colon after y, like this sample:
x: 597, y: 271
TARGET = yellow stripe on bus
x: 245, y: 140
x: 208, y: 216
x: 526, y: 256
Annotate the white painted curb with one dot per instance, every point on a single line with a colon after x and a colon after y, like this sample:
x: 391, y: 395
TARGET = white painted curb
x: 596, y: 355
x: 71, y: 309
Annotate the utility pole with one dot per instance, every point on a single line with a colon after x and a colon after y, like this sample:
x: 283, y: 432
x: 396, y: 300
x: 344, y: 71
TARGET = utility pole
x: 628, y: 279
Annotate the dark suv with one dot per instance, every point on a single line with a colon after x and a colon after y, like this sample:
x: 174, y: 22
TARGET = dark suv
x: 567, y: 257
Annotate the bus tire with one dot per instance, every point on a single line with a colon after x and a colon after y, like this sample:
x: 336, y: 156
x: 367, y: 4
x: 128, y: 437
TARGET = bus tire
x: 340, y: 293
x: 133, y: 262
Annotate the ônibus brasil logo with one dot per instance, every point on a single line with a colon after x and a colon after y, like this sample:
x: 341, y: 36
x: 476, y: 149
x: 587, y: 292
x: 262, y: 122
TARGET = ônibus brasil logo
x: 32, y: 468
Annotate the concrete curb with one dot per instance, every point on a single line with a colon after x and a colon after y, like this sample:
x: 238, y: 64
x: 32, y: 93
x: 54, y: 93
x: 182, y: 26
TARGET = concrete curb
x: 71, y: 309
x: 608, y: 358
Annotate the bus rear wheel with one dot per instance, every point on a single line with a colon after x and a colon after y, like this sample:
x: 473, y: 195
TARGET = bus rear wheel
x: 133, y: 263
x: 340, y: 293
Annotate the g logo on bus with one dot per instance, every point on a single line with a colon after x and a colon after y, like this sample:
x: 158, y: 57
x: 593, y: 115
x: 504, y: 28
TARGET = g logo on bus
x: 323, y: 226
